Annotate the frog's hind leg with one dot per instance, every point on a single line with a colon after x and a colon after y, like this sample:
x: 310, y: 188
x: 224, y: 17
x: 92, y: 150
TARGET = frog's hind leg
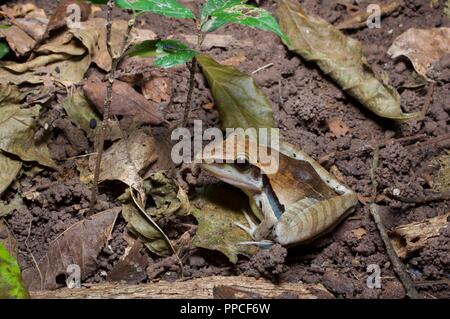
x: 264, y: 244
x: 249, y: 230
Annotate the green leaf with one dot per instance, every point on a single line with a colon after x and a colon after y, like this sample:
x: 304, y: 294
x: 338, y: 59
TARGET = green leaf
x: 4, y: 49
x: 241, y: 103
x: 168, y: 53
x: 216, y: 221
x: 341, y: 58
x: 212, y: 5
x: 169, y: 8
x: 246, y: 15
x: 11, y: 286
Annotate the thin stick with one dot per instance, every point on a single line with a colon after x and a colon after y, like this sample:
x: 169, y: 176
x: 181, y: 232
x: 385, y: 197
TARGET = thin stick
x: 158, y: 228
x: 262, y: 68
x: 398, y: 266
x: 32, y: 257
x: 433, y: 197
x: 109, y: 88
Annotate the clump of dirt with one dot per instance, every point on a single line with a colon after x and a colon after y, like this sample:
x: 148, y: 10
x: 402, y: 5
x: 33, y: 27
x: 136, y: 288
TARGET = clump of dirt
x: 269, y: 263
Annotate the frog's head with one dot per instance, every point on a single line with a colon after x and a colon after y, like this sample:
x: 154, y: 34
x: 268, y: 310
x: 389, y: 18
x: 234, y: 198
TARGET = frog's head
x: 232, y: 162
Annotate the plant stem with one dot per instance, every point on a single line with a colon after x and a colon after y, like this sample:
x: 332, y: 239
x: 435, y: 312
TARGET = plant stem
x: 108, y: 99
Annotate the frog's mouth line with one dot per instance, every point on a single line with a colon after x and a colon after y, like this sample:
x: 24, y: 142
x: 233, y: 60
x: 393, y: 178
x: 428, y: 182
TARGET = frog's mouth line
x: 233, y: 177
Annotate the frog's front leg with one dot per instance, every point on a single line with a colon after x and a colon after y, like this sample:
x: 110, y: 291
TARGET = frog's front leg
x: 308, y: 218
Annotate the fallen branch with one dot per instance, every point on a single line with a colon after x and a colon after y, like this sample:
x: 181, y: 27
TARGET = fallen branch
x: 201, y: 288
x: 398, y: 266
x: 421, y: 199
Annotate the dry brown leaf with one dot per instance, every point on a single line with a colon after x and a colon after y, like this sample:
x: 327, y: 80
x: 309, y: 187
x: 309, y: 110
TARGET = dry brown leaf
x: 58, y: 18
x: 412, y: 237
x: 157, y: 89
x: 18, y: 10
x: 125, y: 101
x: 422, y: 47
x: 359, y: 233
x: 80, y: 244
x: 132, y: 266
x: 234, y: 61
x: 337, y: 127
x: 34, y: 23
x: 19, y: 41
x: 116, y: 165
x: 100, y: 54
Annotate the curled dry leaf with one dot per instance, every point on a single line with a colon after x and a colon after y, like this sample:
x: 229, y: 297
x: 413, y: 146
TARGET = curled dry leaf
x: 80, y: 244
x: 216, y: 216
x: 340, y: 57
x: 241, y: 103
x: 422, y: 47
x: 116, y: 165
x: 67, y: 66
x: 125, y: 101
x: 412, y: 237
x: 169, y: 199
x: 34, y: 23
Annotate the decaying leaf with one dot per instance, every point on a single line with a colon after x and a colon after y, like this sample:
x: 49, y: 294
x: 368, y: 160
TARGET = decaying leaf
x: 15, y: 203
x: 16, y: 128
x: 441, y: 182
x: 80, y: 244
x: 341, y: 58
x: 241, y: 103
x: 139, y: 225
x: 216, y: 215
x: 218, y: 41
x: 158, y: 89
x: 125, y: 101
x: 19, y: 41
x: 61, y: 67
x: 169, y: 199
x: 33, y: 22
x: 412, y: 237
x: 81, y: 112
x: 9, y: 169
x: 359, y: 19
x: 116, y: 165
x: 11, y: 286
x: 131, y: 268
x: 422, y: 47
x: 100, y: 55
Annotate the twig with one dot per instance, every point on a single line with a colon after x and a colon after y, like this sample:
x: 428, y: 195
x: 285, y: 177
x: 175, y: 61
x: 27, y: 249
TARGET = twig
x: 109, y: 88
x: 398, y: 266
x: 158, y: 228
x: 370, y: 147
x: 433, y: 197
x: 32, y: 256
x: 262, y: 68
x: 431, y: 141
x: 187, y: 108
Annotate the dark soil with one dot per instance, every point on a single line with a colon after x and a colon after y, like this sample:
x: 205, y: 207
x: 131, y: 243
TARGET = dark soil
x: 304, y: 100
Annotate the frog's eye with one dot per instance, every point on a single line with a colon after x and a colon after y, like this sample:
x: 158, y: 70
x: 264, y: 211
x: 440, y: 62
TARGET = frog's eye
x: 242, y: 165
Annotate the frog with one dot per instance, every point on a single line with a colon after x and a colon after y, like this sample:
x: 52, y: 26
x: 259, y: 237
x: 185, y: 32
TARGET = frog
x: 294, y: 204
